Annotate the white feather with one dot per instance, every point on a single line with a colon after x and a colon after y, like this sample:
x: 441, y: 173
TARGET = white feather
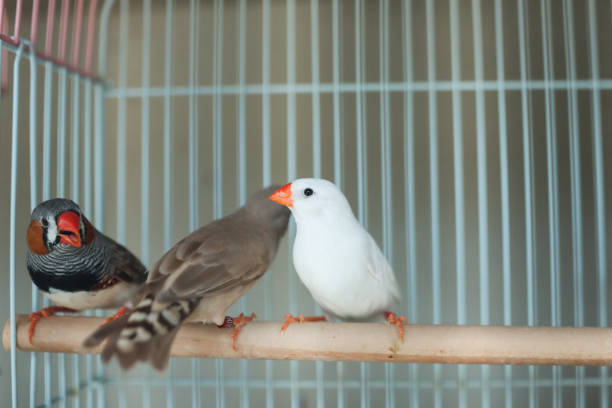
x: 171, y: 315
x: 338, y: 260
x: 160, y: 329
x: 137, y: 317
x: 142, y: 335
x: 111, y: 297
x: 125, y: 345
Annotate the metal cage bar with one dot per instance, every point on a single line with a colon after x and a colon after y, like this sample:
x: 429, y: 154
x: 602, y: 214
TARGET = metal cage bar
x: 600, y: 206
x: 372, y: 87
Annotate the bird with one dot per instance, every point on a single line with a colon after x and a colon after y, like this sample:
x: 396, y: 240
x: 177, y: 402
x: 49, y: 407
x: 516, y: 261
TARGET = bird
x: 76, y: 266
x: 197, y: 280
x: 336, y: 258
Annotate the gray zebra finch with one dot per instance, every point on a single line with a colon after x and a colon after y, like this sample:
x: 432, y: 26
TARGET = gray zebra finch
x: 76, y: 266
x: 198, y: 280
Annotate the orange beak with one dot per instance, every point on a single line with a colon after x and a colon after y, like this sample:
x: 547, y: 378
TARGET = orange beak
x: 68, y: 224
x: 283, y: 195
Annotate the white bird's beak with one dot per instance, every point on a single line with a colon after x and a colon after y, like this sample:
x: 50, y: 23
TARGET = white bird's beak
x: 283, y: 196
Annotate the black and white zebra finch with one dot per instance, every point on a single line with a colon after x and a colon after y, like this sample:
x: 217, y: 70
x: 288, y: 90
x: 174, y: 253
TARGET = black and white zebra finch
x: 198, y: 280
x: 76, y: 266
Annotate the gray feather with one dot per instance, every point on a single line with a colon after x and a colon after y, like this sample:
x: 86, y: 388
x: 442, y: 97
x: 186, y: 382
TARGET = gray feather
x: 124, y: 263
x: 227, y: 254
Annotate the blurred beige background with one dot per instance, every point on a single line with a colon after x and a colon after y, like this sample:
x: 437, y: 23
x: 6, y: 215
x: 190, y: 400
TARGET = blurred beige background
x: 281, y: 276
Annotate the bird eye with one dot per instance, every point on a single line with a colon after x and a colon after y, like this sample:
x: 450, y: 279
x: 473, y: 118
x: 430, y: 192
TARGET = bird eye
x: 308, y: 192
x: 44, y: 222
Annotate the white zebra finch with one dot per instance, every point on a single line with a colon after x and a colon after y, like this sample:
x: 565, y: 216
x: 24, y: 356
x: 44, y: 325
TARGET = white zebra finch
x: 338, y: 260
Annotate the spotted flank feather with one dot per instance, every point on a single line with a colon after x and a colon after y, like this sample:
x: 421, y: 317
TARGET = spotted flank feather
x: 143, y: 334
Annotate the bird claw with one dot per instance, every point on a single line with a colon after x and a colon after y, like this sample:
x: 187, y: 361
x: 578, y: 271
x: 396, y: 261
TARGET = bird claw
x: 34, y: 317
x: 289, y: 319
x: 397, y: 321
x: 237, y: 323
x: 122, y: 310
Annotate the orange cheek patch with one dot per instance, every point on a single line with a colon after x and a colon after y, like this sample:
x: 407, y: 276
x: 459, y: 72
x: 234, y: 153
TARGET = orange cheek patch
x: 35, y: 238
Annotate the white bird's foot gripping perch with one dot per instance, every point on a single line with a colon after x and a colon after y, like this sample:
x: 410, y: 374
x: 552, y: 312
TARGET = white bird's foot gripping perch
x: 398, y: 321
x: 289, y: 319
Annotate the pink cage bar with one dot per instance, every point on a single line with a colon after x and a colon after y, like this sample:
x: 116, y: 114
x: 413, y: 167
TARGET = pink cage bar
x: 68, y: 55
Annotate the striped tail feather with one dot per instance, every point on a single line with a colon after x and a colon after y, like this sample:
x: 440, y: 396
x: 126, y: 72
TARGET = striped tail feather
x: 143, y: 334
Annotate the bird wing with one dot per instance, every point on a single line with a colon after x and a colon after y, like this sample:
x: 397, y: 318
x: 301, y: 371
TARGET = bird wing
x: 123, y: 263
x: 379, y: 268
x: 216, y: 258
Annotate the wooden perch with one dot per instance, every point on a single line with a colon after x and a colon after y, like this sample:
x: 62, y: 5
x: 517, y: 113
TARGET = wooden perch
x: 351, y: 342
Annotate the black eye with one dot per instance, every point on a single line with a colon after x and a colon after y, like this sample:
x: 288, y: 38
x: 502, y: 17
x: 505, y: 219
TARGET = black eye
x: 308, y: 192
x: 44, y: 222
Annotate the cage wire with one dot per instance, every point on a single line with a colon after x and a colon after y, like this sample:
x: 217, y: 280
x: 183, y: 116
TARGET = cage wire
x: 469, y: 136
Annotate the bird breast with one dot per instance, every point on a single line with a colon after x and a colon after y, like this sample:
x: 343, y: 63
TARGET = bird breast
x: 68, y: 269
x: 116, y: 295
x: 334, y: 268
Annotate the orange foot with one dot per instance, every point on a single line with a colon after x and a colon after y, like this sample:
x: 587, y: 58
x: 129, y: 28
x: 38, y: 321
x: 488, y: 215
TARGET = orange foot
x: 398, y: 321
x: 122, y: 310
x: 34, y: 317
x: 237, y: 323
x: 300, y: 319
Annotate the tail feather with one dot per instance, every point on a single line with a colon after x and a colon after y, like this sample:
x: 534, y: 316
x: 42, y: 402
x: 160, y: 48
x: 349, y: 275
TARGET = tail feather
x: 106, y: 330
x: 143, y: 334
x: 159, y: 359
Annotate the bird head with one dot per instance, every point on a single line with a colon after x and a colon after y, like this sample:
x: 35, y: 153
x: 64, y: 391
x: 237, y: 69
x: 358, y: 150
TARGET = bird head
x: 55, y: 222
x: 274, y: 215
x: 311, y: 197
